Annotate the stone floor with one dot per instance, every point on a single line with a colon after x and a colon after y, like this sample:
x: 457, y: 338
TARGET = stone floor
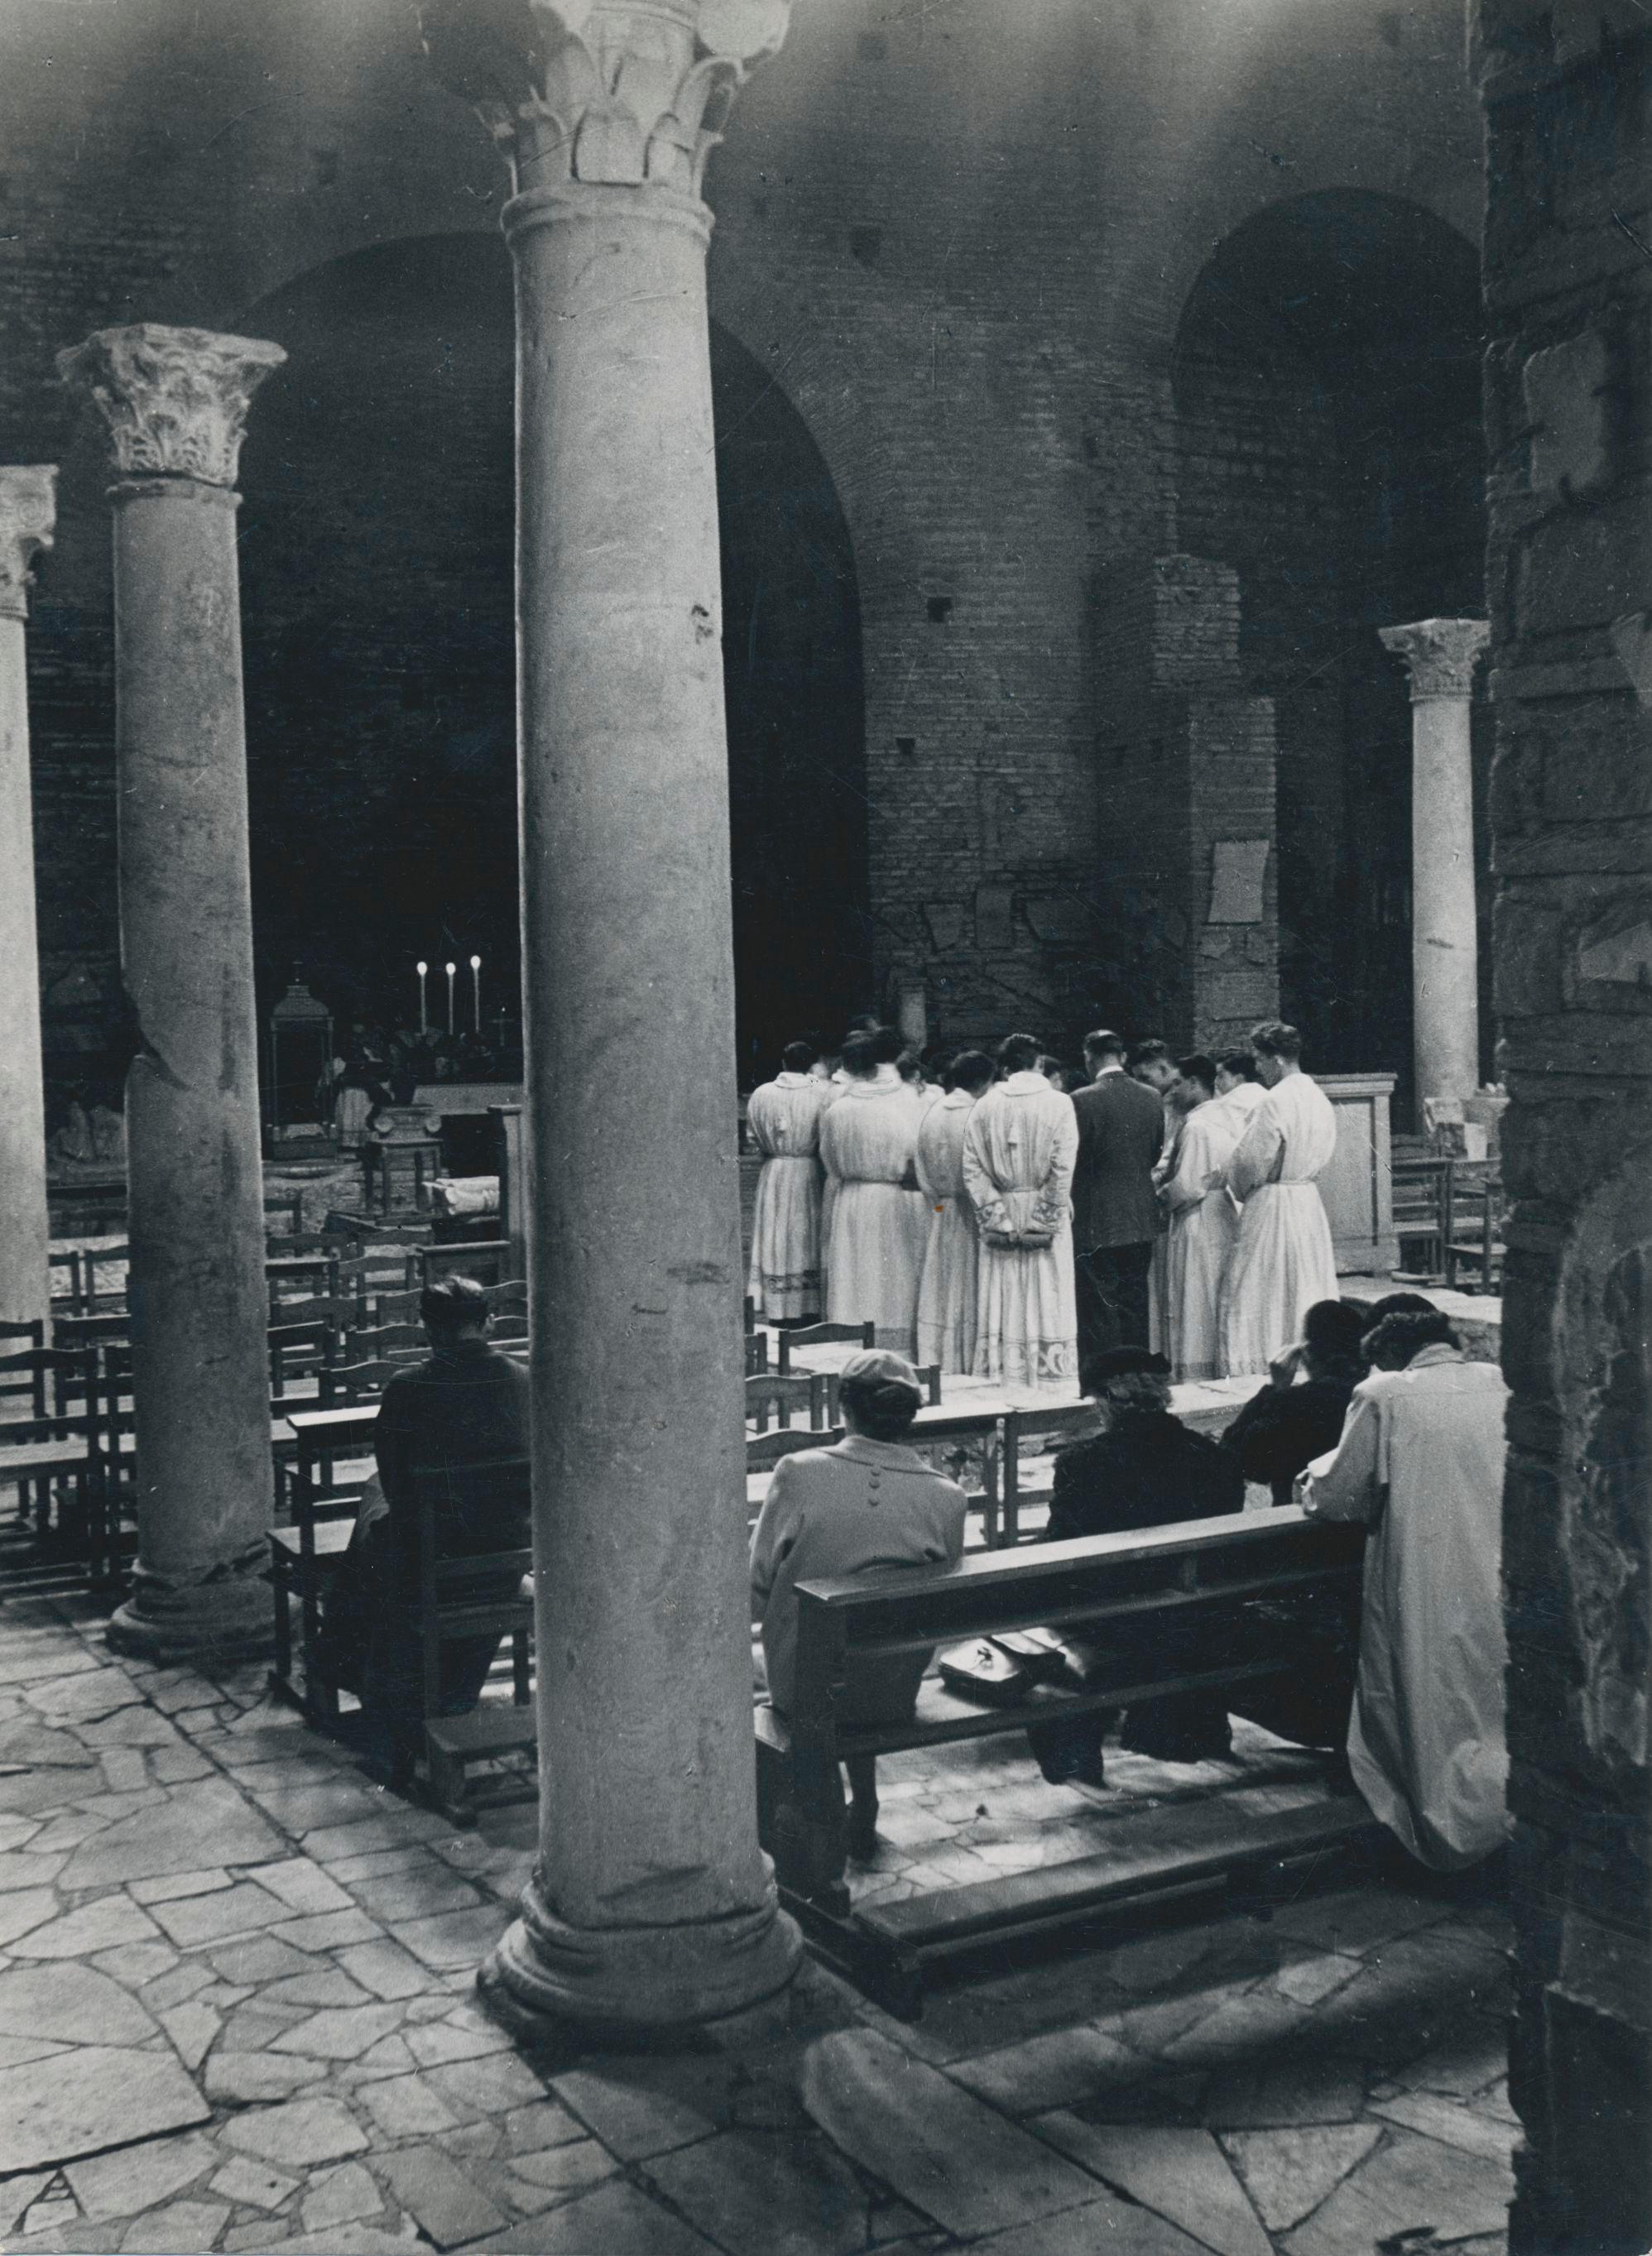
x: 236, y: 2012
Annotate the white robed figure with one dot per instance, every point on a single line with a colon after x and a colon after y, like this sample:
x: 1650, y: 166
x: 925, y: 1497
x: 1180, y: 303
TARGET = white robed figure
x: 868, y: 1141
x: 1282, y: 1261
x: 1421, y: 1463
x: 1204, y: 1226
x: 1019, y: 1152
x: 951, y: 1255
x: 783, y: 1120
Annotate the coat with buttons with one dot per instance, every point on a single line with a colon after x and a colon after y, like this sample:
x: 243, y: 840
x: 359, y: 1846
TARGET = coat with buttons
x: 860, y: 1508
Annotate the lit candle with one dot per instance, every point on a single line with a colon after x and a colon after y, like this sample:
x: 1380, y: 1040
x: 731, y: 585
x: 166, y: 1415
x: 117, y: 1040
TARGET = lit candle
x: 451, y: 969
x: 421, y: 969
x: 475, y: 990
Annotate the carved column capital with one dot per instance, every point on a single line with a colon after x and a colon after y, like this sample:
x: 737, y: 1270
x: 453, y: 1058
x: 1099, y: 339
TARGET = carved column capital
x: 175, y: 401
x: 28, y: 515
x: 623, y: 93
x: 1440, y: 654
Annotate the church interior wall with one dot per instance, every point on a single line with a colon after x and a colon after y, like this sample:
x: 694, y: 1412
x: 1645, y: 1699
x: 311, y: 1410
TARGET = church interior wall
x: 966, y: 277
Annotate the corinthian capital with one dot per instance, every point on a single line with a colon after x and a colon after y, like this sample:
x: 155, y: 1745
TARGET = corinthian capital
x: 28, y: 513
x: 1439, y: 653
x: 630, y: 93
x: 175, y: 401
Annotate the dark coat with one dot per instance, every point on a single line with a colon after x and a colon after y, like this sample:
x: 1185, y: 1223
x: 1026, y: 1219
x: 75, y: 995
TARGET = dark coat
x: 1120, y: 1129
x: 467, y: 1406
x: 1145, y: 1473
x: 1282, y: 1429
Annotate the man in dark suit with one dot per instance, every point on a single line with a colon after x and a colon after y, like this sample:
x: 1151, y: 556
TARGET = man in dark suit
x: 1115, y: 1211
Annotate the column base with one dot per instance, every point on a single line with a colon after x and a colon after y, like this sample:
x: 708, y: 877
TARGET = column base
x: 228, y: 1617
x: 545, y: 1975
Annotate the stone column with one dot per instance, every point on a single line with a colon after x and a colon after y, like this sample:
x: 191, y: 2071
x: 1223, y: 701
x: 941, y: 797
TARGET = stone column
x: 175, y: 403
x: 1440, y: 656
x: 651, y: 1904
x: 28, y: 511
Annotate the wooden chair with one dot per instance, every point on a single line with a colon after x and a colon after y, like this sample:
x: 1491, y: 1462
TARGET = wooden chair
x: 283, y: 1213
x: 453, y: 1603
x: 486, y: 1259
x: 23, y: 1379
x: 864, y: 1336
x: 93, y: 1294
x: 771, y: 1392
x: 49, y: 1455
x: 757, y: 1354
x: 928, y: 1378
x: 344, y: 1383
x: 319, y: 1502
x: 1476, y: 1241
x: 1422, y: 1191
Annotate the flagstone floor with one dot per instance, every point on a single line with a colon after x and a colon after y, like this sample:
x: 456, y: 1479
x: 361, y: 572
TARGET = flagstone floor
x: 236, y: 2013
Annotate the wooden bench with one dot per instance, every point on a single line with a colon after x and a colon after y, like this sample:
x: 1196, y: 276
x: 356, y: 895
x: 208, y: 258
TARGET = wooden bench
x: 1157, y: 1586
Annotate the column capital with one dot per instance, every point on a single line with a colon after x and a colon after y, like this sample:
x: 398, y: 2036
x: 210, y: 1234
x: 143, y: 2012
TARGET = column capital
x: 619, y: 93
x: 1440, y: 654
x: 28, y: 516
x: 175, y: 401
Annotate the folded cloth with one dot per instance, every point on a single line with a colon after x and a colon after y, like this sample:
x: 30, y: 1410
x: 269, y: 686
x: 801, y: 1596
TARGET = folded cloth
x: 455, y: 1194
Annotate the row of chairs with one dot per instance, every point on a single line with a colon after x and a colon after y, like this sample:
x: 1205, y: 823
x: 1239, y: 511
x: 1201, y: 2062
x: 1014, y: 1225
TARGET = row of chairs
x: 1448, y: 1217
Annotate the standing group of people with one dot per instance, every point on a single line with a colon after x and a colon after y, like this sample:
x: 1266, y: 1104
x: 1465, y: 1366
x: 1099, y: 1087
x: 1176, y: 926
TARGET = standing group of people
x: 998, y: 1226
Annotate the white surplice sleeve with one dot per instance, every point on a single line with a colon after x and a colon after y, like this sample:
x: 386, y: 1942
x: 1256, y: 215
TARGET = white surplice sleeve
x: 979, y: 1181
x: 1055, y: 1191
x: 1252, y: 1163
x: 1349, y: 1482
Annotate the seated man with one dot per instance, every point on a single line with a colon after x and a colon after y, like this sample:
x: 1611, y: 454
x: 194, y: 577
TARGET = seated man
x: 467, y: 1406
x: 868, y: 1503
x: 1144, y: 1469
x: 1421, y: 1463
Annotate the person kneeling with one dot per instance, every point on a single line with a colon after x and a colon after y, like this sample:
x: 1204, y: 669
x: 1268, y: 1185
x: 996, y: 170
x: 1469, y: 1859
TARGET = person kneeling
x: 1419, y: 1463
x: 1144, y: 1469
x: 865, y: 1505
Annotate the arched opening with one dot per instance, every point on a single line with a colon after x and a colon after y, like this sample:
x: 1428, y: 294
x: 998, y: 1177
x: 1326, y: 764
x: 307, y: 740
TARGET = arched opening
x: 1327, y: 381
x: 378, y: 555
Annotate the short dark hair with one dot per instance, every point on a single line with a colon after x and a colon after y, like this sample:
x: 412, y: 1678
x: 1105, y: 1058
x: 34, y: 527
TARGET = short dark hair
x: 1103, y: 1043
x: 1274, y: 1038
x: 970, y: 1069
x: 1332, y: 1331
x: 886, y: 1045
x: 1239, y: 1062
x: 858, y: 1056
x: 909, y: 1065
x: 454, y: 1305
x: 1148, y: 1052
x: 1396, y: 1339
x: 797, y: 1057
x: 883, y: 1407
x: 1197, y: 1067
x: 1017, y: 1053
x: 1397, y: 1304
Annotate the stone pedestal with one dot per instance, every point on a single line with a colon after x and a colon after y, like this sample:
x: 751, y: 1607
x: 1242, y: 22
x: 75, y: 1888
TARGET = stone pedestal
x: 28, y: 511
x: 651, y: 1904
x: 1440, y: 656
x: 175, y: 402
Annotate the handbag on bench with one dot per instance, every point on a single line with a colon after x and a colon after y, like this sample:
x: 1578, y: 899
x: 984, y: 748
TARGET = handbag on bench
x: 1005, y: 1665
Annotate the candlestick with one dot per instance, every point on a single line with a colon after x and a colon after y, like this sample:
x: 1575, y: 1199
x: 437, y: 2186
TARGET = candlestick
x: 476, y: 991
x: 421, y: 969
x: 450, y: 970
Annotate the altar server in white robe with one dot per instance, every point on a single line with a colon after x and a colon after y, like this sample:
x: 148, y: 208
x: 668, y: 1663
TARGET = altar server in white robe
x: 1019, y: 1154
x: 868, y: 1140
x: 951, y: 1255
x: 1203, y: 1224
x: 783, y: 1120
x: 1238, y: 1091
x: 1421, y: 1464
x: 1282, y: 1261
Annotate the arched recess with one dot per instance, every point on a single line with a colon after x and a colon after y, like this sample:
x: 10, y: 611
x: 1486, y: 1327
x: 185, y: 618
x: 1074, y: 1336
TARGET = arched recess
x: 377, y: 560
x: 1331, y: 447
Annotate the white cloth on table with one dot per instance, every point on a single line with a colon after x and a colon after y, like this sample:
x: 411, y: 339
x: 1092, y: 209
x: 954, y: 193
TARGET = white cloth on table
x: 783, y: 1119
x: 465, y: 1195
x: 868, y: 1136
x: 1203, y: 1224
x: 1019, y: 1152
x: 1282, y: 1259
x: 952, y: 1254
x: 1421, y: 1463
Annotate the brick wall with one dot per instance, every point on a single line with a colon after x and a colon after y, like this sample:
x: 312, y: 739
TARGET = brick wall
x: 961, y: 256
x: 1569, y: 378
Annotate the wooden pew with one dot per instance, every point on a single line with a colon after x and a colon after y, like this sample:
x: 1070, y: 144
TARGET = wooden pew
x: 1158, y: 1584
